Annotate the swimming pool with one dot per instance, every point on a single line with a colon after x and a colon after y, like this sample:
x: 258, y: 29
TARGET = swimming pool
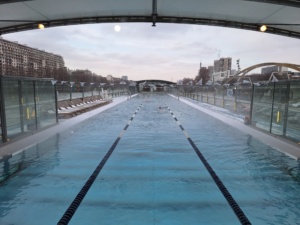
x: 153, y: 176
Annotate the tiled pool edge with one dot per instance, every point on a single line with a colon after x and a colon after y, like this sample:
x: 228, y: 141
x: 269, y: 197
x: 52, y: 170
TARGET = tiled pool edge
x: 277, y: 143
x: 14, y: 148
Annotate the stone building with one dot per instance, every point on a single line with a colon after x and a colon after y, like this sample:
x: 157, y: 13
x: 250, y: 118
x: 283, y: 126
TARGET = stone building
x: 23, y: 61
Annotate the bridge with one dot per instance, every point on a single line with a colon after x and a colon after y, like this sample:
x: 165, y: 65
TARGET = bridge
x: 287, y: 65
x: 280, y: 17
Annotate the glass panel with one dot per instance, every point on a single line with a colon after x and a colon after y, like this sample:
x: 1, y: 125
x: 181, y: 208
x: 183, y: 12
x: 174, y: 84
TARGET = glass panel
x: 45, y: 96
x: 29, y: 113
x: 262, y: 106
x: 293, y: 120
x: 229, y: 98
x: 0, y: 119
x: 279, y: 108
x: 219, y: 96
x: 12, y: 107
x: 244, y: 100
x: 63, y: 91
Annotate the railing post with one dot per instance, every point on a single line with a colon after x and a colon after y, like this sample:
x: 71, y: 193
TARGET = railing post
x: 214, y: 95
x: 201, y: 94
x: 223, y: 98
x: 235, y: 98
x: 2, y: 113
x: 286, y: 113
x: 272, y: 110
x: 251, y: 103
x: 56, y: 103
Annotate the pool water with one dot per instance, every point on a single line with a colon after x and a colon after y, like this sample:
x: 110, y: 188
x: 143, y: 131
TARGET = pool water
x: 153, y: 176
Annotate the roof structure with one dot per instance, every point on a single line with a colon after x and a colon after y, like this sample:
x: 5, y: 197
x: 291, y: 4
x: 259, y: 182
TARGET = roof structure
x: 155, y: 82
x: 282, y: 17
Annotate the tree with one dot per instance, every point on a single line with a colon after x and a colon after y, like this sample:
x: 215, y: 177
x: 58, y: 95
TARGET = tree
x: 185, y: 81
x: 203, y: 74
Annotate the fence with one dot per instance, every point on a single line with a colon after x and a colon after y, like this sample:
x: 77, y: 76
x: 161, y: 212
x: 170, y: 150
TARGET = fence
x: 273, y: 107
x: 67, y: 92
x: 236, y: 99
x: 276, y: 109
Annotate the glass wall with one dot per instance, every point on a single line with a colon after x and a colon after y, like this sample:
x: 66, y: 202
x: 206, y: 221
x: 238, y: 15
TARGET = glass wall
x: 279, y: 108
x: 28, y: 105
x: 243, y: 99
x: 1, y: 113
x: 293, y: 120
x: 275, y: 105
x: 12, y: 107
x: 276, y: 109
x: 45, y: 105
x: 262, y: 107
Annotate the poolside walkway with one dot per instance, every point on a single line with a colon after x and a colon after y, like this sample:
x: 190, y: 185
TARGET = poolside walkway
x: 13, y: 148
x: 285, y: 146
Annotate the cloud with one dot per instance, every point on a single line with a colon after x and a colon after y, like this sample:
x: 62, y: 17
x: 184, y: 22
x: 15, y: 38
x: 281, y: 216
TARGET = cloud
x: 168, y: 51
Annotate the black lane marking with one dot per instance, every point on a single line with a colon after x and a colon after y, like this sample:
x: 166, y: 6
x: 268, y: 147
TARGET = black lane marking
x: 233, y: 204
x: 65, y: 219
x: 126, y: 127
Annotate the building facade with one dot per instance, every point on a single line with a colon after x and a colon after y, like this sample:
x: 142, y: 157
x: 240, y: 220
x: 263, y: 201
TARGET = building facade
x: 110, y: 78
x: 23, y: 61
x: 222, y: 69
x: 222, y: 64
x: 124, y: 78
x: 269, y: 69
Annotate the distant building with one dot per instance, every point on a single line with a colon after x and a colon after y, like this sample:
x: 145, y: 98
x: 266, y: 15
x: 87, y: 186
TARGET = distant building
x: 20, y: 60
x: 233, y: 72
x: 219, y: 76
x: 273, y: 69
x: 211, y: 70
x: 222, y: 64
x: 124, y: 78
x: 109, y: 78
x: 222, y: 69
x: 269, y: 69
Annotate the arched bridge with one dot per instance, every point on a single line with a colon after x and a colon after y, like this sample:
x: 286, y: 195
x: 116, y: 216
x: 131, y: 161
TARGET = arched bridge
x: 281, y: 17
x: 287, y: 65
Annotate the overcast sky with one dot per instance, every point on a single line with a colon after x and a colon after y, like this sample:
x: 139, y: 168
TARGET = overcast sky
x: 168, y: 51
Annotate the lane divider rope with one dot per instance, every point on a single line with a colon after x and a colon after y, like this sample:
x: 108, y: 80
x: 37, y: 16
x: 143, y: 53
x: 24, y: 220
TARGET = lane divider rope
x: 233, y: 204
x: 65, y: 219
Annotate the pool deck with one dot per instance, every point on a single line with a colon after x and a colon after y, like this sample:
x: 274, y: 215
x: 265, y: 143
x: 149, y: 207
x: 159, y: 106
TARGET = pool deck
x: 285, y: 146
x: 276, y: 142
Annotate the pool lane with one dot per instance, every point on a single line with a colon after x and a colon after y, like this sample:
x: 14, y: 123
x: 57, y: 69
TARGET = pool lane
x: 154, y: 177
x: 80, y: 196
x: 233, y: 204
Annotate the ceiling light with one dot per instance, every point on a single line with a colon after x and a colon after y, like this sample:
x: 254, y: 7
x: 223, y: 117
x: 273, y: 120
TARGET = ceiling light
x: 263, y: 28
x: 41, y: 26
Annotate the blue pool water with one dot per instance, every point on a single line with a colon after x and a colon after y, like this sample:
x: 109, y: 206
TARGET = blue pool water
x: 153, y: 176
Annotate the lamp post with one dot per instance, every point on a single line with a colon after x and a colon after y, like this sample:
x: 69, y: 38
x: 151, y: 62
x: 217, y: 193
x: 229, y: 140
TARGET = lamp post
x: 71, y: 89
x: 82, y: 88
x: 92, y: 88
